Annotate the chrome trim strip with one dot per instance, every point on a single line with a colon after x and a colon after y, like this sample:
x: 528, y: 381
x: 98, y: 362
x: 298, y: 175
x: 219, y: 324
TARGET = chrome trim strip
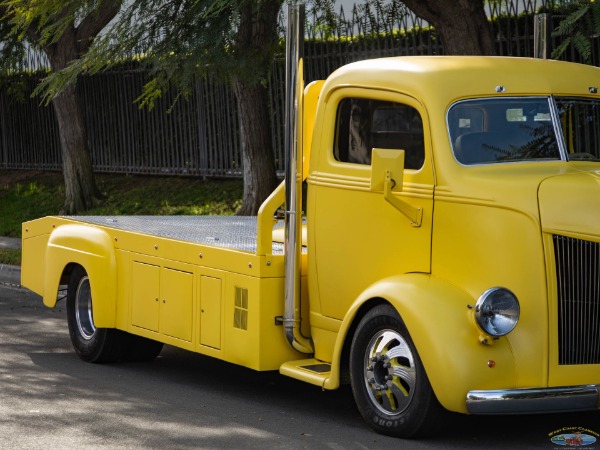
x: 558, y: 133
x: 535, y: 400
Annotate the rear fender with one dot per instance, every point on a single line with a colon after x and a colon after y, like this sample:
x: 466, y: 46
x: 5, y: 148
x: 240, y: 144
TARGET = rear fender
x: 441, y: 325
x: 92, y: 249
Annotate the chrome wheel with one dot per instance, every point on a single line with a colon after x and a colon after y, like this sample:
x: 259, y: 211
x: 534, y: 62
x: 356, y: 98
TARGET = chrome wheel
x: 389, y: 372
x: 91, y: 344
x: 83, y: 309
x: 389, y: 383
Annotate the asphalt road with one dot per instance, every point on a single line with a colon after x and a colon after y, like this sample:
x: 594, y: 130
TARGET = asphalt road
x: 50, y: 399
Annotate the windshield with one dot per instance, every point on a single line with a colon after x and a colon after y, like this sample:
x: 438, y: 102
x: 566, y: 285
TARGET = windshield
x: 501, y: 130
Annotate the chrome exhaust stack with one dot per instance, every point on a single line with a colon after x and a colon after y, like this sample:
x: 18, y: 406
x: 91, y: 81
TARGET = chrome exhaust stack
x: 293, y: 178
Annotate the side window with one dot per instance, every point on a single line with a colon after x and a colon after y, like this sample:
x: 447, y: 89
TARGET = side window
x: 364, y: 124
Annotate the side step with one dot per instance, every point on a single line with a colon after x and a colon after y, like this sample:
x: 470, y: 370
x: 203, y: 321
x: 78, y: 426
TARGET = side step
x: 310, y: 371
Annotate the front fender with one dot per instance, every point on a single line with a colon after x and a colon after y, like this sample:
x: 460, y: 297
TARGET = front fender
x: 441, y: 326
x: 92, y: 249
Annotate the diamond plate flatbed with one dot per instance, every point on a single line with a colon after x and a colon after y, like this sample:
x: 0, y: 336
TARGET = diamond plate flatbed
x: 231, y: 232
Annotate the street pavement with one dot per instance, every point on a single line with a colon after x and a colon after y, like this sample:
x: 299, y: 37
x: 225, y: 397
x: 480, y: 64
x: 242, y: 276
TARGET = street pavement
x: 50, y: 399
x: 10, y: 275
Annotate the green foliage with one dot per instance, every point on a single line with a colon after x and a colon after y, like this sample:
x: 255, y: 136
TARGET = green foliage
x: 133, y: 195
x: 180, y: 40
x: 10, y: 257
x: 324, y: 21
x: 38, y: 23
x: 24, y: 201
x: 367, y: 18
x: 41, y: 195
x: 578, y: 28
x: 41, y: 24
x: 382, y: 15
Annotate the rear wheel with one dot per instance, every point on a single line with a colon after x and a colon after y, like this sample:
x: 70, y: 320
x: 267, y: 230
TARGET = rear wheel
x: 390, y: 386
x: 91, y: 344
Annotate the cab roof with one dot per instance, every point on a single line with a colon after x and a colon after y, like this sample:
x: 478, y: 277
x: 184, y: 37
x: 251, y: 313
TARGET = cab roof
x: 447, y: 78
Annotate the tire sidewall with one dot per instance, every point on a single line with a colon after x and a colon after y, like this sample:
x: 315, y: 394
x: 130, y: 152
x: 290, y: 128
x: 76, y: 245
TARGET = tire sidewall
x: 411, y: 421
x: 87, y: 349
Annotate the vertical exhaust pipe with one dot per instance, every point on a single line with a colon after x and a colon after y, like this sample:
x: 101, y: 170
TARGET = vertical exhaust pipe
x: 294, y: 79
x: 541, y: 35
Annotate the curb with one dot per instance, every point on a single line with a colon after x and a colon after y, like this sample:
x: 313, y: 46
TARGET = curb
x: 10, y: 275
x: 9, y: 243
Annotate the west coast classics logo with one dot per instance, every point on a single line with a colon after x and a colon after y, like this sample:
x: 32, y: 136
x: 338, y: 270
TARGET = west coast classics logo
x: 574, y: 437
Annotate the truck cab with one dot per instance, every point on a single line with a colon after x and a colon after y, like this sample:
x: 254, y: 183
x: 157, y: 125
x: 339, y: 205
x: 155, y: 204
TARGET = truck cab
x: 448, y: 257
x: 489, y: 260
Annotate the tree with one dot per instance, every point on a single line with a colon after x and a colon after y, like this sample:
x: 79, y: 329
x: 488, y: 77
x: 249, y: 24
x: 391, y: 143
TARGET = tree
x: 461, y: 24
x: 578, y: 29
x: 256, y: 32
x: 231, y: 40
x: 64, y: 30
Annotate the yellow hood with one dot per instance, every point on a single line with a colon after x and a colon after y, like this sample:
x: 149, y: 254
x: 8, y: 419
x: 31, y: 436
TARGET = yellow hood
x: 570, y: 204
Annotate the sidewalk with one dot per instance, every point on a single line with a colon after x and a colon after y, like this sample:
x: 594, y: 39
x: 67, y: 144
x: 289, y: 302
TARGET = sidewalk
x: 10, y: 274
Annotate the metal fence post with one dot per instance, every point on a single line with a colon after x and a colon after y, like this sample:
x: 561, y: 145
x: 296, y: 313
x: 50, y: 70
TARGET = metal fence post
x: 541, y: 33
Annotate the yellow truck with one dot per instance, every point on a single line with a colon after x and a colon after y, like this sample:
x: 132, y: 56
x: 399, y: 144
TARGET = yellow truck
x: 448, y: 257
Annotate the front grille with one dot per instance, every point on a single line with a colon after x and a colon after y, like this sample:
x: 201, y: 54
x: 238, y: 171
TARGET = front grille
x: 578, y: 286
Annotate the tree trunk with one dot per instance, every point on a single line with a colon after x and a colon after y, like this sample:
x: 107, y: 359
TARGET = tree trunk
x: 257, y: 146
x: 81, y: 193
x: 255, y: 41
x: 461, y: 24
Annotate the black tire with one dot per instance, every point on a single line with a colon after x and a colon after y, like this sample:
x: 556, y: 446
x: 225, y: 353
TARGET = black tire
x: 96, y: 345
x: 390, y: 386
x: 142, y: 349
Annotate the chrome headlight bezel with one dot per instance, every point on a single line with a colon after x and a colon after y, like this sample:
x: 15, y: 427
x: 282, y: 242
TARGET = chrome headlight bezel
x: 497, y: 311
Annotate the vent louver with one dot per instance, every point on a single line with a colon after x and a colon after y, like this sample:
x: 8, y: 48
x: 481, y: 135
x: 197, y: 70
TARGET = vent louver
x: 240, y: 313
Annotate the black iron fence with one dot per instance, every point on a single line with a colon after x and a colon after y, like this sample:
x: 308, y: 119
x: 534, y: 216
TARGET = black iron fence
x: 199, y: 136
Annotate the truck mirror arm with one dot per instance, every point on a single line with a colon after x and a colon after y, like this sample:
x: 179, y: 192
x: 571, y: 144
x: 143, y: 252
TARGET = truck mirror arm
x: 415, y: 215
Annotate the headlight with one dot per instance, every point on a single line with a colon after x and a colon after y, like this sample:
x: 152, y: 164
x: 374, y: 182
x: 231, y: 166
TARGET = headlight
x: 497, y: 311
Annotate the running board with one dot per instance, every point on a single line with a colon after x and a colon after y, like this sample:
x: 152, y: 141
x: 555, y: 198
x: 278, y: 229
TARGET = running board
x: 310, y: 371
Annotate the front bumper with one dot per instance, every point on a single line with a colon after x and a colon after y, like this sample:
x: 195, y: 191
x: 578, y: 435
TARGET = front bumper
x: 537, y: 400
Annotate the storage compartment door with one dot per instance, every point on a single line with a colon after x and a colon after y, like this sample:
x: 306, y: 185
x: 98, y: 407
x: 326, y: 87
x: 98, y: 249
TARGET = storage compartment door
x: 210, y: 311
x: 144, y: 297
x: 176, y: 303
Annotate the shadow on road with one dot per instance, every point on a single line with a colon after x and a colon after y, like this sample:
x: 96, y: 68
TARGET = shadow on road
x: 186, y: 400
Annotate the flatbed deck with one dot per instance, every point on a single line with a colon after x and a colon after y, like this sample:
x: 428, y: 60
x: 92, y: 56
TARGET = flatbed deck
x: 231, y: 232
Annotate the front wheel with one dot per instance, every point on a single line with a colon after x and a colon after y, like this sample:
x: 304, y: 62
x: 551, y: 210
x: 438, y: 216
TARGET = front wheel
x: 90, y: 343
x: 390, y: 386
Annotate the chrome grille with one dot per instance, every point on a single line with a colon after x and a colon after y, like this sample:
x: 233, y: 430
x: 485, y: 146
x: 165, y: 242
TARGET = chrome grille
x: 578, y: 286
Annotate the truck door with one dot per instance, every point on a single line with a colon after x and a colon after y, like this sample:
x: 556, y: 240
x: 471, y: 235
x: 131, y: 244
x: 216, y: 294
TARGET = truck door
x: 358, y: 237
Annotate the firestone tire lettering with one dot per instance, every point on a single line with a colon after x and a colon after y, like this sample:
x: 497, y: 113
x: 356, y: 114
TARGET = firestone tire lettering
x: 390, y: 386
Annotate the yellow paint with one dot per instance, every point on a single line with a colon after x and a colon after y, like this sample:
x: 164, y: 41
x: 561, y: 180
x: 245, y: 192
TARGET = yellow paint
x: 477, y: 227
x: 145, y: 295
x: 211, y: 303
